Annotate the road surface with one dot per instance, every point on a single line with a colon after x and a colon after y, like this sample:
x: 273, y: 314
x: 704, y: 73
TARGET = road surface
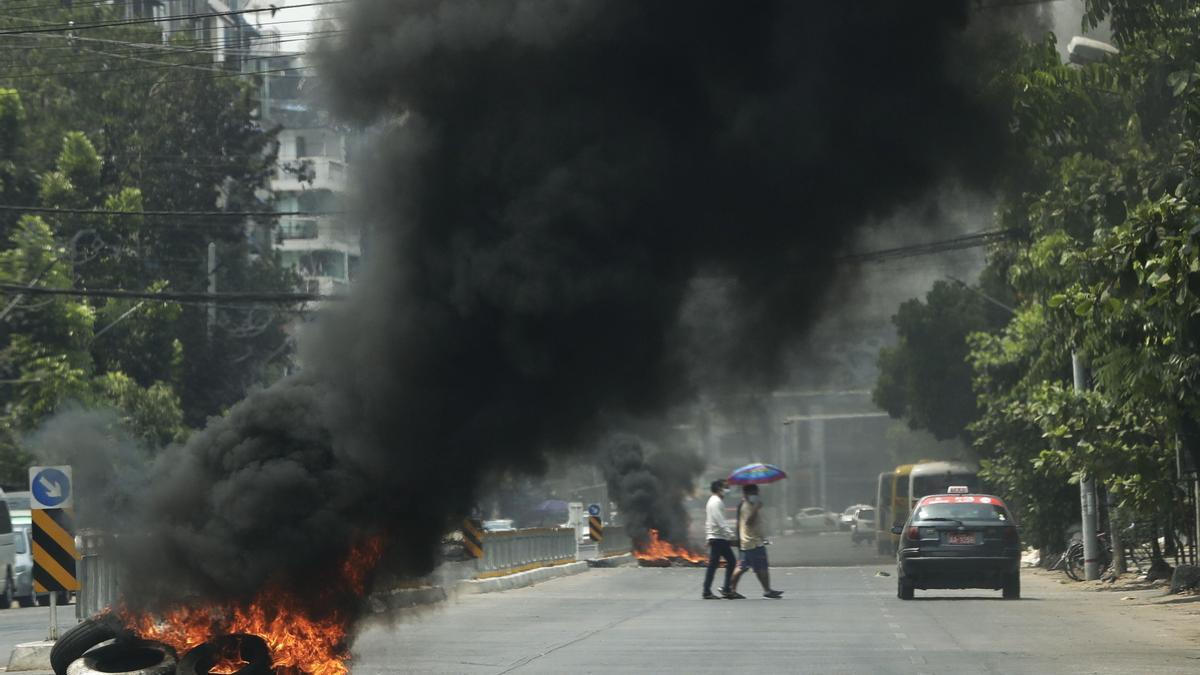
x: 832, y: 620
x: 29, y: 625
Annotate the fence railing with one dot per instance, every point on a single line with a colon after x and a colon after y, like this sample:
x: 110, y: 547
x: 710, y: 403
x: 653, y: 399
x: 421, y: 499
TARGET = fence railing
x: 520, y: 550
x: 503, y: 553
x: 616, y: 541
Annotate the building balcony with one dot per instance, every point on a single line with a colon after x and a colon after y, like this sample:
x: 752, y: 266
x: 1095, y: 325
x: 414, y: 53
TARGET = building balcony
x: 310, y: 173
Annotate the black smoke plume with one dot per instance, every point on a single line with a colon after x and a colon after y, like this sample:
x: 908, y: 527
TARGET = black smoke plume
x: 548, y: 179
x: 649, y: 488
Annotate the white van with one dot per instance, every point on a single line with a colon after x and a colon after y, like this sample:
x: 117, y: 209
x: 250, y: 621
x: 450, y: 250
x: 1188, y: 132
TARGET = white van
x: 8, y: 553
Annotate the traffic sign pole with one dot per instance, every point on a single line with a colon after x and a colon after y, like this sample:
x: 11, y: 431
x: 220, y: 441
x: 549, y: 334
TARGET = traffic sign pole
x: 53, y: 636
x: 54, y: 554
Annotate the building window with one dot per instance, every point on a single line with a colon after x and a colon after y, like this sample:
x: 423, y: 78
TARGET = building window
x: 301, y: 147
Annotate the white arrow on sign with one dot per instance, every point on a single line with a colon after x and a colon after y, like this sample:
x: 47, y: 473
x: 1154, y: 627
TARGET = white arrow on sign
x: 53, y: 490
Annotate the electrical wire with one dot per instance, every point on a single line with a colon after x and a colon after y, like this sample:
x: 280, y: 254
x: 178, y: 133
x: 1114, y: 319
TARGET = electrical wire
x: 173, y: 214
x: 971, y: 240
x: 232, y: 297
x: 160, y: 19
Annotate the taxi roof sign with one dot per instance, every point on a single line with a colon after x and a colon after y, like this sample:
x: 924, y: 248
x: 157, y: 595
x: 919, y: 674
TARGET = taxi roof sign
x: 957, y: 490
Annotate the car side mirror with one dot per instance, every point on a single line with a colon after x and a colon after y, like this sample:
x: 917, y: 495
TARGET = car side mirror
x: 897, y: 529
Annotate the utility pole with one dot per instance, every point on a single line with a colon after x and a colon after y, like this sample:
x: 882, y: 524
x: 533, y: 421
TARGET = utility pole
x: 212, y: 288
x: 1087, y: 494
x: 817, y: 445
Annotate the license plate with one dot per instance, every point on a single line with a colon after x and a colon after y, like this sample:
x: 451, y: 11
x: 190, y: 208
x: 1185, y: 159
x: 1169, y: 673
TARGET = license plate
x: 961, y: 538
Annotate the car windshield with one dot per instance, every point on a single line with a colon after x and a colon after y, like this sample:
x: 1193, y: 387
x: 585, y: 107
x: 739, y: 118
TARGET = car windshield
x: 971, y: 511
x: 20, y: 541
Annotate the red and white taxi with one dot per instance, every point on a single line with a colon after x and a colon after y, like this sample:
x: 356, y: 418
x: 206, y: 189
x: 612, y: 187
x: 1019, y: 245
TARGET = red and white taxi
x: 959, y: 540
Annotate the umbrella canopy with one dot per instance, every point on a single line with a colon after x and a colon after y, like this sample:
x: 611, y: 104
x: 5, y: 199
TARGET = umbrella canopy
x: 756, y: 473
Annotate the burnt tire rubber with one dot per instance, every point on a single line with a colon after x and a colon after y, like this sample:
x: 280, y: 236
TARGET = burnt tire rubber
x: 128, y: 657
x: 81, y: 637
x: 1012, y: 588
x: 904, y: 589
x: 253, y: 650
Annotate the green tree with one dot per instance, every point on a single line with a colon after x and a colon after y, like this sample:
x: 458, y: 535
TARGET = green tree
x: 172, y: 131
x: 925, y: 378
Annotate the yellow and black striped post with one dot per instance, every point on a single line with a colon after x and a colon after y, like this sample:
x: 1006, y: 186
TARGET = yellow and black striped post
x: 54, y: 553
x: 595, y: 528
x: 473, y: 537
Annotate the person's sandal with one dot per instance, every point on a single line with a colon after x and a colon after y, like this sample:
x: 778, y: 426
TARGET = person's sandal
x: 774, y: 595
x: 734, y: 595
x: 708, y: 596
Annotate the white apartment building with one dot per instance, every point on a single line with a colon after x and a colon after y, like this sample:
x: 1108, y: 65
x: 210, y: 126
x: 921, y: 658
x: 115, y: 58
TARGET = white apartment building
x: 311, y: 176
x: 324, y: 250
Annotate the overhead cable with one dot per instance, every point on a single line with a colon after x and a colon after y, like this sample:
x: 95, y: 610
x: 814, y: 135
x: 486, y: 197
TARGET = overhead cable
x: 173, y: 214
x: 232, y: 297
x: 159, y: 19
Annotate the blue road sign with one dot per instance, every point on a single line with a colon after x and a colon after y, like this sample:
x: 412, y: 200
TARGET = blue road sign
x: 593, y: 509
x: 50, y: 486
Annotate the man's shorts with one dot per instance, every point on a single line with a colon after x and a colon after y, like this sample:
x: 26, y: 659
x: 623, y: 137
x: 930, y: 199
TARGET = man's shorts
x: 754, y: 558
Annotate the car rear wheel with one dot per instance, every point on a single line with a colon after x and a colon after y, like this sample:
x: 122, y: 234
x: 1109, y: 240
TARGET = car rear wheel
x: 1012, y: 588
x: 904, y: 589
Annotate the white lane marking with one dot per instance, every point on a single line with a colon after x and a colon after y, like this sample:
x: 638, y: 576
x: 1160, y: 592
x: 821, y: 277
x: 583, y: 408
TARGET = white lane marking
x: 901, y: 636
x: 908, y: 648
x: 893, y: 625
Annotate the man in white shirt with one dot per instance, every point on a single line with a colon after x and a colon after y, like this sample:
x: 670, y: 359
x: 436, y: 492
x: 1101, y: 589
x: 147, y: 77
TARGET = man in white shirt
x: 719, y: 534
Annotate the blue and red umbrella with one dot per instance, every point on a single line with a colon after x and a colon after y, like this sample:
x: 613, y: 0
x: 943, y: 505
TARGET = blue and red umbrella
x: 756, y: 474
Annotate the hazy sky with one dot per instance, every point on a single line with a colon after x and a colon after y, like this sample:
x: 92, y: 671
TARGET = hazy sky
x: 292, y: 22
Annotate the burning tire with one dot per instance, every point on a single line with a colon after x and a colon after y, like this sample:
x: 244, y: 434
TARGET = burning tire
x: 79, y: 638
x: 136, y: 657
x: 252, y: 650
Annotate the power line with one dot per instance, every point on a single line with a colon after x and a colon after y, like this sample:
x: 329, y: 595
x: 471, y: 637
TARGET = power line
x: 972, y: 240
x: 201, y: 78
x: 159, y: 66
x: 173, y: 214
x: 175, y: 17
x: 233, y: 297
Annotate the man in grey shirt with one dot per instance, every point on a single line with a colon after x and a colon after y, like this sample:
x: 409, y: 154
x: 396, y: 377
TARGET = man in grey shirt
x: 753, y: 542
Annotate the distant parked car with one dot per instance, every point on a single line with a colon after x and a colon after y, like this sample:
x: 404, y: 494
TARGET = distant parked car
x: 23, y: 571
x: 502, y: 525
x: 846, y: 519
x: 814, y: 519
x: 863, y: 527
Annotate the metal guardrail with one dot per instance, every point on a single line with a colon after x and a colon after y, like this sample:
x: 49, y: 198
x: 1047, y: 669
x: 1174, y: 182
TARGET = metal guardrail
x: 616, y: 541
x: 520, y: 550
x: 503, y: 553
x: 98, y: 588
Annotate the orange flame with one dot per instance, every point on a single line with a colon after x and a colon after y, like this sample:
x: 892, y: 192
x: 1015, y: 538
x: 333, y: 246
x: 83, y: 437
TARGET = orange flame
x: 657, y: 549
x: 298, y: 643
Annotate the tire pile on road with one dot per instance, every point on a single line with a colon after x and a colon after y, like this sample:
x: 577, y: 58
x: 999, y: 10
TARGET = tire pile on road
x: 102, y: 646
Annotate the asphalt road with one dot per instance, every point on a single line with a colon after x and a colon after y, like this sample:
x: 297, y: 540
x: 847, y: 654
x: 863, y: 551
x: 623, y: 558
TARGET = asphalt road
x: 29, y: 625
x: 822, y: 549
x: 832, y: 620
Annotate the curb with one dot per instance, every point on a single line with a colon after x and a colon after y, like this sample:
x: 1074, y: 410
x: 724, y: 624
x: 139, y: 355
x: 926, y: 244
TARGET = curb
x: 519, y: 580
x: 403, y: 598
x: 30, y: 656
